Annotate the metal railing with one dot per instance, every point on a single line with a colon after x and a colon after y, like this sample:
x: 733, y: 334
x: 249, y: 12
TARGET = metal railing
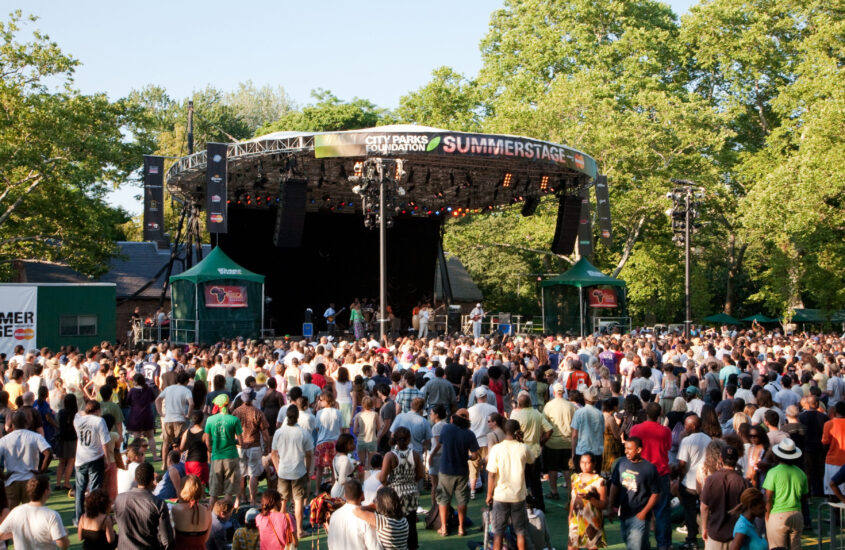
x: 836, y: 519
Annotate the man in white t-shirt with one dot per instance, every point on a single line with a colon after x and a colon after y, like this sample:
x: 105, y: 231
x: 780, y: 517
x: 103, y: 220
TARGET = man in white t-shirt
x: 478, y: 424
x: 23, y: 453
x: 91, y: 446
x: 33, y: 526
x: 346, y: 530
x: 293, y: 450
x: 178, y: 404
x: 691, y: 456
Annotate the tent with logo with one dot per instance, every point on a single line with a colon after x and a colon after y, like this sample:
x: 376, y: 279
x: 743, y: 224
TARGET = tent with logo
x: 565, y: 310
x: 215, y: 300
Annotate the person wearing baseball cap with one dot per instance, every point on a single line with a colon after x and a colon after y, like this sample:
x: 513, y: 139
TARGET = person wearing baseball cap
x: 721, y: 493
x: 477, y: 316
x: 787, y: 488
x: 222, y: 436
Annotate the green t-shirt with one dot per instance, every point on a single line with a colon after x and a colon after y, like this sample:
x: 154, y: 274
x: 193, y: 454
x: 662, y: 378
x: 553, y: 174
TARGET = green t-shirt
x: 789, y: 484
x: 222, y: 429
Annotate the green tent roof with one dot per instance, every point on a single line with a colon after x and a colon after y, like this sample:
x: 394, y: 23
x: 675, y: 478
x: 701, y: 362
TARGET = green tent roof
x: 818, y: 316
x: 216, y: 266
x: 760, y: 318
x: 723, y: 318
x: 582, y: 274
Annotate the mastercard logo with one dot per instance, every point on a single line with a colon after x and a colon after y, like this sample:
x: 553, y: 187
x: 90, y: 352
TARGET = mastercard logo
x: 24, y: 334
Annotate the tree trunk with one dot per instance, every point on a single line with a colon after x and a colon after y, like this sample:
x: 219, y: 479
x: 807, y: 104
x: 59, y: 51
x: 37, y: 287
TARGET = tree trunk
x: 629, y: 246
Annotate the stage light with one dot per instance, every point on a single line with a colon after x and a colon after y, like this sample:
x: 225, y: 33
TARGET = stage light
x: 358, y: 168
x: 506, y: 181
x: 449, y: 209
x: 544, y: 183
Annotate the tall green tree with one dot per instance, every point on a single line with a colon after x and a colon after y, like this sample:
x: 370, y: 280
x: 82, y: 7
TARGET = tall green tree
x: 448, y: 101
x: 329, y: 113
x: 60, y: 151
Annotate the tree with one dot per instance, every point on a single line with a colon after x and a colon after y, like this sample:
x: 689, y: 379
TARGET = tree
x: 329, y: 114
x: 59, y: 151
x: 258, y: 106
x: 607, y: 78
x: 449, y: 101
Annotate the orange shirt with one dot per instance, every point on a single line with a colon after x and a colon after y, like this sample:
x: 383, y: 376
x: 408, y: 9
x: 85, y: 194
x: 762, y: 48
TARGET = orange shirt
x: 833, y: 434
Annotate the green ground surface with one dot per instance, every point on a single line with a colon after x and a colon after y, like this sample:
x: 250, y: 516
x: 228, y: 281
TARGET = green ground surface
x: 556, y: 516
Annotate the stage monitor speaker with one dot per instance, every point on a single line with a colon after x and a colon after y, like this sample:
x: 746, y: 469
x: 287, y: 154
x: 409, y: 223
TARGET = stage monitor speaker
x: 566, y: 230
x: 530, y: 206
x: 454, y: 318
x: 290, y: 216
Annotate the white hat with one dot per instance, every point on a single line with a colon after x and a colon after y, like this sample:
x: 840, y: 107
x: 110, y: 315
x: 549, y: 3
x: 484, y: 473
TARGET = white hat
x: 558, y: 388
x: 480, y: 392
x: 786, y: 449
x: 478, y: 304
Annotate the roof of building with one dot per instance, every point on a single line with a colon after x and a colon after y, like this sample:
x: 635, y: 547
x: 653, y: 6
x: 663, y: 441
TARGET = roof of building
x: 135, y: 265
x: 463, y: 287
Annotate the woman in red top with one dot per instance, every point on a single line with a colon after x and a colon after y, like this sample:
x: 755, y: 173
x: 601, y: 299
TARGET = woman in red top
x: 497, y: 386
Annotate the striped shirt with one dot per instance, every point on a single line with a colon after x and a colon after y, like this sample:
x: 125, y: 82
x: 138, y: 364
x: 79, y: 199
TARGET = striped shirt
x: 392, y: 533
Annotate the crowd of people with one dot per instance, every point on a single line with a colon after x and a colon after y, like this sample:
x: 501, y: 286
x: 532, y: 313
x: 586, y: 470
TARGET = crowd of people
x: 255, y: 444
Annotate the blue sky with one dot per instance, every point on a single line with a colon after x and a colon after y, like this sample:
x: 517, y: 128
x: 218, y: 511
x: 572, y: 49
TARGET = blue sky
x: 373, y: 49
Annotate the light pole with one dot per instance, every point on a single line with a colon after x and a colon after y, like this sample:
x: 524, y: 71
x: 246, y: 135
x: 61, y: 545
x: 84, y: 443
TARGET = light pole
x: 685, y: 202
x: 377, y: 183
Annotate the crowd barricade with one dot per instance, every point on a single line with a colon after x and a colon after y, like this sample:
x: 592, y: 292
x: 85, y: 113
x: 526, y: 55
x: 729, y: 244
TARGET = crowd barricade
x: 835, y: 521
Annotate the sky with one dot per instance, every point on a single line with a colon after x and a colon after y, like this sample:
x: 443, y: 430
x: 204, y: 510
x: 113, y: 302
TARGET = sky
x: 372, y: 49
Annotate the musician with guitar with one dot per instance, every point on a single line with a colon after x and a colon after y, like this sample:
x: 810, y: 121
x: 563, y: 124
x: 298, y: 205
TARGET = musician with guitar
x: 330, y: 315
x: 476, y: 315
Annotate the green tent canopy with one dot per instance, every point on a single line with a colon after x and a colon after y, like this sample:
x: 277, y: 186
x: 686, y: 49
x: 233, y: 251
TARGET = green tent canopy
x: 722, y: 318
x: 564, y: 308
x: 818, y: 316
x: 582, y: 274
x: 217, y: 265
x: 760, y: 318
x: 215, y: 300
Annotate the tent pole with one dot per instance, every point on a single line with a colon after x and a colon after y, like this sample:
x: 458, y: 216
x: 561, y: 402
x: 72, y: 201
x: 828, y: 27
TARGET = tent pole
x: 581, y: 304
x: 543, y: 307
x: 196, y: 312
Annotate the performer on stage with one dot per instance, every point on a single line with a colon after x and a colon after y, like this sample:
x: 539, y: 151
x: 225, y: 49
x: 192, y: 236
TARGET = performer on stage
x: 356, y: 319
x: 477, y: 315
x: 424, y: 315
x: 329, y: 315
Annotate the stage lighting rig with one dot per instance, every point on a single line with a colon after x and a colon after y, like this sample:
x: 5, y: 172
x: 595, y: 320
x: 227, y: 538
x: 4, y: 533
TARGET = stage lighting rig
x: 376, y: 181
x: 686, y: 199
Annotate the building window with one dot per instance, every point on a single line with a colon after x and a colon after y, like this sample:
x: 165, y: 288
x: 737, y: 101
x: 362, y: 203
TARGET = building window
x: 78, y: 325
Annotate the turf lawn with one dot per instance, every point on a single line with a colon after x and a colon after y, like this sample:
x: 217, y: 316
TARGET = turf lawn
x: 556, y: 516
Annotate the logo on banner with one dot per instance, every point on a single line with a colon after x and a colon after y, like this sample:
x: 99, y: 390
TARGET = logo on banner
x: 152, y: 225
x: 579, y: 161
x: 603, y: 297
x: 216, y: 198
x: 24, y: 334
x: 18, y: 317
x: 226, y: 271
x: 225, y: 296
x: 217, y: 158
x: 216, y: 217
x: 605, y: 233
x: 153, y: 169
x: 216, y: 178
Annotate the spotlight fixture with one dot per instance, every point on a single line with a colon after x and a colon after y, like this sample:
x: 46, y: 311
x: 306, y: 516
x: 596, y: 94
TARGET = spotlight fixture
x: 506, y: 181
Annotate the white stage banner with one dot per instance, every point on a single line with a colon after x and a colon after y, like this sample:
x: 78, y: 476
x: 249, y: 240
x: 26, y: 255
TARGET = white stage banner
x: 18, y: 310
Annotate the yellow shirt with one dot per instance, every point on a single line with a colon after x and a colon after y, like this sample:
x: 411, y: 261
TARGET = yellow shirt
x: 15, y: 390
x: 533, y: 424
x: 507, y: 460
x: 559, y: 413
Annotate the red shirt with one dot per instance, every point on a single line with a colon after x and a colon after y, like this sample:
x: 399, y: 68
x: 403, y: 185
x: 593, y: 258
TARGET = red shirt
x: 657, y: 440
x: 575, y: 378
x: 318, y: 380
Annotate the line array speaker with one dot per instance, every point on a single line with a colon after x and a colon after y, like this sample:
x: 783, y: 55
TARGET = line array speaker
x: 566, y: 229
x: 290, y: 215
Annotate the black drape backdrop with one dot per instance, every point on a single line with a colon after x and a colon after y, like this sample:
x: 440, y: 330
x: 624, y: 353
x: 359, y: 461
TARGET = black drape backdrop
x: 337, y: 262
